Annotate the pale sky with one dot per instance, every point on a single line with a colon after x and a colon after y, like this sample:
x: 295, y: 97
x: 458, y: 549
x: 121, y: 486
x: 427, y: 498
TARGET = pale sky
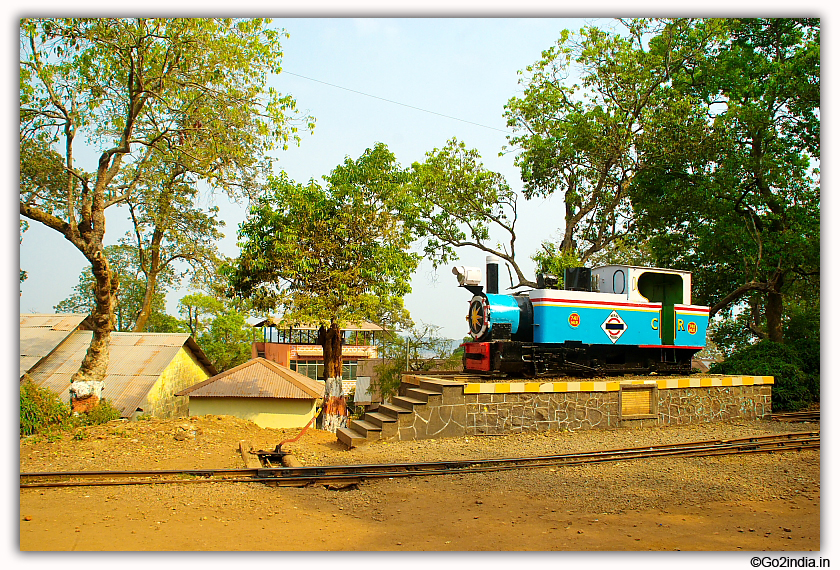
x: 465, y: 69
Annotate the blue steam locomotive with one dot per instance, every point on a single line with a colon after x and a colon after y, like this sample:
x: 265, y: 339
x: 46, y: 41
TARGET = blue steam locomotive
x: 613, y: 319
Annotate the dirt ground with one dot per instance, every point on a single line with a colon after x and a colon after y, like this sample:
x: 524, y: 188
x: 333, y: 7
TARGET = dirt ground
x: 766, y: 502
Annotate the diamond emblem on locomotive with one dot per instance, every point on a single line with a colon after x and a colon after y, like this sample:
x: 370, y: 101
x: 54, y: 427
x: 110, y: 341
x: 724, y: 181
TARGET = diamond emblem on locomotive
x: 614, y: 326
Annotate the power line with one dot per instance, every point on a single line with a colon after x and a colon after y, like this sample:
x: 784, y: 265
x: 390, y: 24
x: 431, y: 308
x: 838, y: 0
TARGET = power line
x: 395, y: 102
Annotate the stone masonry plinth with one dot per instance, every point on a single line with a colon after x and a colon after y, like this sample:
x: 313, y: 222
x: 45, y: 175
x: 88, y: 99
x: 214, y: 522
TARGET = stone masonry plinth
x: 429, y: 407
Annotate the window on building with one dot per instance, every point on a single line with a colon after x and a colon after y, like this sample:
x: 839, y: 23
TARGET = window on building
x: 315, y: 368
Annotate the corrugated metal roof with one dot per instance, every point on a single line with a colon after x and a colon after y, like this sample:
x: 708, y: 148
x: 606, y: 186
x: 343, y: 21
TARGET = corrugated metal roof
x: 40, y: 334
x: 257, y: 378
x: 123, y: 392
x: 55, y: 321
x: 134, y: 365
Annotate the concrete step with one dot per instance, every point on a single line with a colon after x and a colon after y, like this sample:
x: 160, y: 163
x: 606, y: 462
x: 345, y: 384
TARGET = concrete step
x: 367, y: 429
x: 407, y: 402
x: 393, y: 410
x: 350, y: 437
x: 438, y: 385
x: 421, y: 394
x: 379, y: 419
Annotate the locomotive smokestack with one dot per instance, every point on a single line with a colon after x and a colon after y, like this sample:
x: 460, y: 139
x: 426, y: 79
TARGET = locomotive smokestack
x: 492, y: 274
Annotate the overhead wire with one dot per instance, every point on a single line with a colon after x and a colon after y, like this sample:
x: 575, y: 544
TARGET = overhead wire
x: 395, y: 102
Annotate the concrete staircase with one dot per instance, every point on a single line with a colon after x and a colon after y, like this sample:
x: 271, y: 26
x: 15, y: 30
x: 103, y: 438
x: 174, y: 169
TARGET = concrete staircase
x: 425, y: 408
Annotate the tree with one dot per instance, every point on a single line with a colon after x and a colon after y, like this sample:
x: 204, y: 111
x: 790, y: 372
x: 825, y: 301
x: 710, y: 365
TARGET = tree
x: 219, y: 327
x: 456, y: 202
x: 170, y: 226
x: 24, y: 225
x: 329, y: 254
x: 419, y: 348
x: 186, y: 92
x: 581, y: 139
x: 197, y: 310
x: 731, y: 184
x: 130, y: 296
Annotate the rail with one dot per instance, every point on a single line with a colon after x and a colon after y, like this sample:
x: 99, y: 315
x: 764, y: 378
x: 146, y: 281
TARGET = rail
x: 806, y: 416
x: 330, y: 474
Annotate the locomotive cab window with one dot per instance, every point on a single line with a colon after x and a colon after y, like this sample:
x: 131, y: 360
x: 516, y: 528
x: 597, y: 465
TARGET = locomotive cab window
x: 665, y: 288
x: 619, y: 282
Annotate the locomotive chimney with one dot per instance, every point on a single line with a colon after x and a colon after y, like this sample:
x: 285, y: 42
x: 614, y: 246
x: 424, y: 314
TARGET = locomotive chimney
x: 492, y: 274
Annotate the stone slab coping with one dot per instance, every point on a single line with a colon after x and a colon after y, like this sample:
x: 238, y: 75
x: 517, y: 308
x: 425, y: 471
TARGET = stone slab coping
x: 415, y: 380
x: 612, y: 385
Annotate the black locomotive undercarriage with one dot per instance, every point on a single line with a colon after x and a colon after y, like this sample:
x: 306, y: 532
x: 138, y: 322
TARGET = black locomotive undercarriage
x: 573, y: 358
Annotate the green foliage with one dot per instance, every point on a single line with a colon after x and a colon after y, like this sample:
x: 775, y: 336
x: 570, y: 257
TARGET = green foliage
x: 102, y: 413
x: 582, y: 139
x: 40, y: 409
x: 457, y: 202
x: 42, y: 412
x: 219, y: 328
x: 794, y: 387
x: 331, y: 253
x: 420, y: 348
x: 730, y: 188
x: 227, y: 342
x: 164, y: 103
x: 554, y: 260
x: 123, y: 259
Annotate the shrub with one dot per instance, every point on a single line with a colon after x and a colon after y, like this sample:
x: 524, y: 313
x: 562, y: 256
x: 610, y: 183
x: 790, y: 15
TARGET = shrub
x: 102, y: 413
x: 40, y: 409
x: 794, y: 386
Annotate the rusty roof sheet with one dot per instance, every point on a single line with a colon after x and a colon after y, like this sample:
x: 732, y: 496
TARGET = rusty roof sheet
x: 133, y: 367
x: 40, y: 335
x: 56, y: 321
x: 123, y: 392
x: 257, y: 378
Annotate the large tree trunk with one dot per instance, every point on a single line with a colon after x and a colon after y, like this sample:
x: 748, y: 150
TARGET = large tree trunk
x: 335, y: 404
x: 774, y: 311
x: 87, y: 384
x: 146, y: 308
x: 151, y: 267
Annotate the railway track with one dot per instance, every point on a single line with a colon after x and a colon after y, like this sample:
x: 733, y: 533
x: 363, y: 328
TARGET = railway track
x: 806, y: 416
x: 345, y: 474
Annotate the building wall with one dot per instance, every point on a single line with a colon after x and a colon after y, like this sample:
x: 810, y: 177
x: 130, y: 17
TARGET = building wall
x: 279, y: 353
x: 265, y: 412
x: 184, y: 371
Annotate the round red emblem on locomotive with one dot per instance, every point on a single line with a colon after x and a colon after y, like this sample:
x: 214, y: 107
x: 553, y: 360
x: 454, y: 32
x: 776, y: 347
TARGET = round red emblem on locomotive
x: 574, y: 320
x: 692, y: 327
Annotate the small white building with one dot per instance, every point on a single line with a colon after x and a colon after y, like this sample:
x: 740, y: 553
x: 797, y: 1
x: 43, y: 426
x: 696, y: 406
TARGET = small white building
x: 261, y: 391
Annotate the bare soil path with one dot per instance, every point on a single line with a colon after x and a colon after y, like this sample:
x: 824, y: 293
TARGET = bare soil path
x: 748, y: 502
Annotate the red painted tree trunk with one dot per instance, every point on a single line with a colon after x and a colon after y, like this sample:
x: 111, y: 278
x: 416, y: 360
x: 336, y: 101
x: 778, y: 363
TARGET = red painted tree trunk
x: 335, y: 404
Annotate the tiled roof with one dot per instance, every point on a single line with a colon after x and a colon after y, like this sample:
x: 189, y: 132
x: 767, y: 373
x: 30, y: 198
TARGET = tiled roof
x: 257, y: 378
